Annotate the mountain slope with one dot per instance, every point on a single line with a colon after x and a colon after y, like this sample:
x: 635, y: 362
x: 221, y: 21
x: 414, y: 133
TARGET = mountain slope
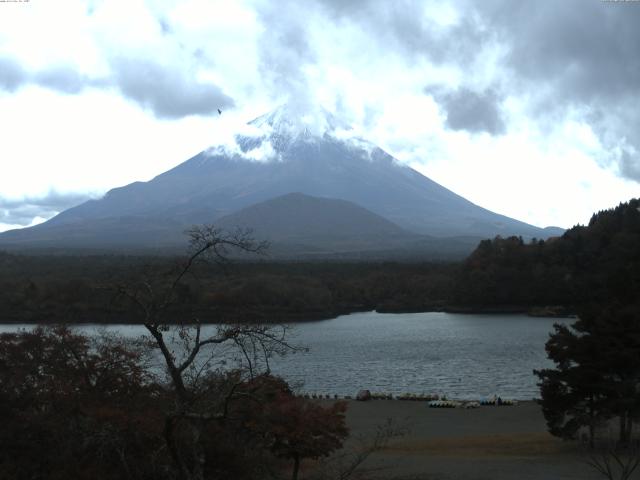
x: 290, y: 152
x: 299, y: 225
x: 299, y: 217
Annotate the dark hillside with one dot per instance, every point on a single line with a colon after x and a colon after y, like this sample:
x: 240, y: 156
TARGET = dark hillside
x: 594, y: 263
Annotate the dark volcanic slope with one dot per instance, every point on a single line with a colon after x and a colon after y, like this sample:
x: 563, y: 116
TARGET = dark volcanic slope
x: 307, y: 227
x: 217, y: 182
x: 299, y: 217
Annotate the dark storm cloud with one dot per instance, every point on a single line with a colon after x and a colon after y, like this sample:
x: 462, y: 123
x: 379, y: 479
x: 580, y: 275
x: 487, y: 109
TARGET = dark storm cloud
x: 24, y: 211
x: 588, y: 48
x: 629, y: 165
x: 472, y: 111
x: 167, y: 91
x: 576, y: 57
x: 12, y: 75
x: 583, y: 54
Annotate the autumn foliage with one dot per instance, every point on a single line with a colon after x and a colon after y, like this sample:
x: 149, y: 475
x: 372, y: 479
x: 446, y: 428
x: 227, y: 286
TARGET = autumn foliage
x: 301, y: 429
x: 73, y: 406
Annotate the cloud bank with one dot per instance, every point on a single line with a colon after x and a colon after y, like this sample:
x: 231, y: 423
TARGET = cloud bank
x: 164, y: 90
x: 22, y: 211
x: 547, y: 90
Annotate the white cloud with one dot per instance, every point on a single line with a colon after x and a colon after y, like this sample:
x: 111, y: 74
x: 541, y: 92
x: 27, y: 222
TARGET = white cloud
x: 12, y: 226
x: 70, y: 127
x: 88, y: 143
x: 552, y: 182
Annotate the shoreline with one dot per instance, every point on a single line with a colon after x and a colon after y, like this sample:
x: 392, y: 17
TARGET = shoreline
x: 316, y: 316
x: 467, y: 444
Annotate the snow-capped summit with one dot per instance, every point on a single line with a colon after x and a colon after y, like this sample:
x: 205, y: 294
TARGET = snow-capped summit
x: 294, y: 149
x: 293, y: 122
x: 293, y: 119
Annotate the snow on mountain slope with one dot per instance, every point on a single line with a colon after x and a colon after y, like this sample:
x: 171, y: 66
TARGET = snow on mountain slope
x: 292, y: 150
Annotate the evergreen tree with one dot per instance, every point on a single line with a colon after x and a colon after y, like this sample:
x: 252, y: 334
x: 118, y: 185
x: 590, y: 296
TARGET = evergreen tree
x: 597, y: 373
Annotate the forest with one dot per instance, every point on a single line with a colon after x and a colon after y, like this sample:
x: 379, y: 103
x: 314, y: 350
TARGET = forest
x: 588, y: 264
x: 554, y: 277
x: 592, y: 391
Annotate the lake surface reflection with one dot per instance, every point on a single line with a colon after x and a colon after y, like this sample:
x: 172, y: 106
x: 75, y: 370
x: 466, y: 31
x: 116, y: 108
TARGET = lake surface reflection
x: 462, y: 356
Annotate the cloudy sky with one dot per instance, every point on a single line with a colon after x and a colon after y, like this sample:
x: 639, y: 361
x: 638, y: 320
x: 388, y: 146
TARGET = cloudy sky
x: 529, y: 108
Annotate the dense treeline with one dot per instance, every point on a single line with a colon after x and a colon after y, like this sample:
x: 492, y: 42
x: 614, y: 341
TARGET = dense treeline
x: 593, y: 390
x: 588, y: 264
x: 506, y: 272
x: 553, y: 277
x: 50, y: 289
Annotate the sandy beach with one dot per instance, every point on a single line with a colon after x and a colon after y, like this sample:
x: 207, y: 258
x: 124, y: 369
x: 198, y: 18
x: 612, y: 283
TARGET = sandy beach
x: 486, y: 443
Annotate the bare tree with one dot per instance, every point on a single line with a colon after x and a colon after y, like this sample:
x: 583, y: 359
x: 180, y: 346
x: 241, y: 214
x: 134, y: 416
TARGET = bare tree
x: 188, y: 352
x: 615, y: 461
x: 348, y: 464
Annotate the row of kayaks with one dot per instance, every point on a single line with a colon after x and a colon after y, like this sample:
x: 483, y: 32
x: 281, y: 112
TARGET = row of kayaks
x: 412, y: 397
x: 497, y: 401
x: 435, y: 401
x: 453, y: 404
x: 470, y: 404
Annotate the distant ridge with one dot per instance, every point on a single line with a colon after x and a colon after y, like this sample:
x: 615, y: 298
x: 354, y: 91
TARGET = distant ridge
x: 296, y: 216
x: 291, y: 151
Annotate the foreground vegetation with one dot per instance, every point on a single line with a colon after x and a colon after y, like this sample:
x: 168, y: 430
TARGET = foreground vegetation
x: 78, y: 407
x: 593, y: 393
x: 98, y: 408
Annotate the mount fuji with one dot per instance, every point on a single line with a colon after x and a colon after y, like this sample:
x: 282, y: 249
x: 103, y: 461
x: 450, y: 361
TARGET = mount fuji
x: 286, y: 151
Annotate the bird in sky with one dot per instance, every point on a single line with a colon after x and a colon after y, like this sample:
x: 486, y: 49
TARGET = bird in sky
x: 219, y: 112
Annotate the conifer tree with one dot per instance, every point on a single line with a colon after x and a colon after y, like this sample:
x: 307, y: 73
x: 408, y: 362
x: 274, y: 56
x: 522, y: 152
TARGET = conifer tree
x: 597, y: 373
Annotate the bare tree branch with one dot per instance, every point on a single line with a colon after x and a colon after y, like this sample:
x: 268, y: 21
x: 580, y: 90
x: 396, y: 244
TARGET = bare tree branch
x: 154, y: 296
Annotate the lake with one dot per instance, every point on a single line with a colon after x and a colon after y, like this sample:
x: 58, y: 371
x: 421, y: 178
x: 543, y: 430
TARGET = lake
x: 460, y: 355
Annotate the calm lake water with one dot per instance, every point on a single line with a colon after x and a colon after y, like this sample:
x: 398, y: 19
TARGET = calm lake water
x: 462, y: 356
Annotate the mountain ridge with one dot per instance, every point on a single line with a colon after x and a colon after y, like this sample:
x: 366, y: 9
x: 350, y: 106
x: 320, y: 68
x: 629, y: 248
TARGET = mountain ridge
x: 302, y: 153
x: 299, y: 215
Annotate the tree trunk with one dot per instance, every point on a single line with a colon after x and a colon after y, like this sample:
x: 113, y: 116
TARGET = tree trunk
x: 624, y: 434
x: 169, y: 439
x: 296, y: 466
x: 592, y: 423
x: 197, y: 450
